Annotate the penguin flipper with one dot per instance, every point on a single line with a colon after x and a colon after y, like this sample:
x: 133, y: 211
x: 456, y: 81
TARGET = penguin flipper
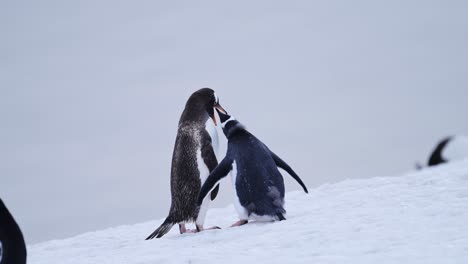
x: 282, y: 164
x: 209, y: 158
x: 217, y: 174
x: 214, y: 193
x: 436, y: 156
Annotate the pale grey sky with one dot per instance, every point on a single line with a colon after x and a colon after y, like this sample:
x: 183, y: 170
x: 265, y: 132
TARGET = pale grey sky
x: 91, y: 93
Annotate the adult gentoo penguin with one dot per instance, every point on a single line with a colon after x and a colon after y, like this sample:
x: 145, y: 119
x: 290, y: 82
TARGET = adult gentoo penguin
x: 258, y: 184
x: 192, y: 160
x: 12, y: 246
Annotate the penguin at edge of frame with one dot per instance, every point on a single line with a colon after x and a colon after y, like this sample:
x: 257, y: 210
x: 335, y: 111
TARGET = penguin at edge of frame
x: 12, y: 246
x: 448, y: 149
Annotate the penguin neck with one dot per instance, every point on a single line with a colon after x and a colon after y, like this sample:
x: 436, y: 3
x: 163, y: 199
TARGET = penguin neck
x: 233, y: 128
x: 194, y: 114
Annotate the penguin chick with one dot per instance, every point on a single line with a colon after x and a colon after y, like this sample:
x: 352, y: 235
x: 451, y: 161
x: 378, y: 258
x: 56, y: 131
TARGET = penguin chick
x: 258, y: 184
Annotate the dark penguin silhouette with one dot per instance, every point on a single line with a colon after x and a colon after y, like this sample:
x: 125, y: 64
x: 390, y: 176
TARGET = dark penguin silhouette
x: 448, y: 149
x: 258, y: 184
x: 192, y: 160
x: 12, y: 246
x: 436, y: 157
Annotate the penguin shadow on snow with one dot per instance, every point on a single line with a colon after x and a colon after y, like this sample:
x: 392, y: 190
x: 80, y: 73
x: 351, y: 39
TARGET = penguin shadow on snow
x: 257, y: 183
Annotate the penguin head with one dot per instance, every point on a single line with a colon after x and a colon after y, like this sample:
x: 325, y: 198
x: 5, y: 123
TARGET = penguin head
x: 229, y: 124
x: 225, y: 118
x: 205, y: 100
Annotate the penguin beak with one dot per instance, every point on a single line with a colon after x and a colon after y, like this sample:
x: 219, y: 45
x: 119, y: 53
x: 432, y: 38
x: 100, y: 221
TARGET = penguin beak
x: 220, y: 108
x: 214, y: 119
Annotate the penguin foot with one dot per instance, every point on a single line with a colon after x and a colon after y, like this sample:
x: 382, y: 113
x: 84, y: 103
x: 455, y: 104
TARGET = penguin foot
x: 239, y: 223
x: 200, y: 228
x: 211, y: 228
x: 183, y: 229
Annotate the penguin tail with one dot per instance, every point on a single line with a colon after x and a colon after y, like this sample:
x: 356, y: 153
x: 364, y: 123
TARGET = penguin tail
x: 280, y: 216
x: 162, y: 230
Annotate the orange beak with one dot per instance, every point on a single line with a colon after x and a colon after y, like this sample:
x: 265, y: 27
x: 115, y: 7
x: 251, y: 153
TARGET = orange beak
x: 221, y: 109
x: 214, y: 120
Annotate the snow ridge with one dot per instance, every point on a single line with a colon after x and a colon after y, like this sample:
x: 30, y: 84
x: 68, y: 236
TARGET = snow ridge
x: 420, y: 217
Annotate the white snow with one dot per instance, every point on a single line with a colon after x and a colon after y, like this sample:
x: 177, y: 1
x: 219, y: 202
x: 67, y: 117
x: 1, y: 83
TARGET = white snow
x: 420, y: 217
x: 456, y: 149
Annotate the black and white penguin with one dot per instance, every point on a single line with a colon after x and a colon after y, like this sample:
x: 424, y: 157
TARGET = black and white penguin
x: 12, y: 246
x: 448, y: 149
x: 193, y: 159
x: 258, y: 184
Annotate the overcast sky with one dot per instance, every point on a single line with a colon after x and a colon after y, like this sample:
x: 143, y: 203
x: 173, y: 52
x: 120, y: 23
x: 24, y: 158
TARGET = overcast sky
x: 91, y: 93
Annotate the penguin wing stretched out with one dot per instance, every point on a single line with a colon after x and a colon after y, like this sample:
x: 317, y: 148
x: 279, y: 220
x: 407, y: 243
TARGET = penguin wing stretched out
x: 282, y: 164
x: 226, y: 166
x: 217, y: 174
x: 209, y: 158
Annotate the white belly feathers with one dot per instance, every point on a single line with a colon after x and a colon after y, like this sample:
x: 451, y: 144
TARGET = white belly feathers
x: 211, y: 129
x: 241, y: 212
x: 202, y: 168
x: 204, y: 171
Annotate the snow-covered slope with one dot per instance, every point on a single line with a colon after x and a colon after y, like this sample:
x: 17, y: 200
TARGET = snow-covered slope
x: 415, y: 218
